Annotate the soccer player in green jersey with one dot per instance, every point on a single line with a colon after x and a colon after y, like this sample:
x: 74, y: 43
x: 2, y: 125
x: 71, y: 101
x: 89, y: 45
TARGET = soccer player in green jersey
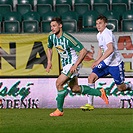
x: 72, y: 53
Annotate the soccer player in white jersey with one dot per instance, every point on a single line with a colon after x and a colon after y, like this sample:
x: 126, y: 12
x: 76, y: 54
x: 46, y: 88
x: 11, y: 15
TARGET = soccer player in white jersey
x: 67, y: 46
x: 108, y: 61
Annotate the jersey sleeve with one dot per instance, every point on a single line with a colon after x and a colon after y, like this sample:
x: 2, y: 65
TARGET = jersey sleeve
x: 108, y: 37
x: 74, y: 43
x: 50, y: 43
x: 78, y: 47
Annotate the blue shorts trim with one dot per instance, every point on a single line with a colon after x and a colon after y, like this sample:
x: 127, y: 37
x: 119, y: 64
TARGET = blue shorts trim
x: 117, y: 72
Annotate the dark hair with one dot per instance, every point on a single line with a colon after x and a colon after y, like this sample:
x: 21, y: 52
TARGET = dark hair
x: 58, y: 20
x: 102, y: 17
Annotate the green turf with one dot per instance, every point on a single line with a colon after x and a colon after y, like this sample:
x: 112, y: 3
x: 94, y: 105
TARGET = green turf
x: 73, y: 121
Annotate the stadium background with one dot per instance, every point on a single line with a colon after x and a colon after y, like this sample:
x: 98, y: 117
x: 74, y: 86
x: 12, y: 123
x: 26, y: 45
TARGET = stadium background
x: 24, y: 27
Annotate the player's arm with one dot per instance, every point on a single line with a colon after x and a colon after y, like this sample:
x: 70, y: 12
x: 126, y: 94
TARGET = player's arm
x: 107, y: 53
x: 49, y: 57
x: 49, y: 53
x: 100, y: 53
x: 82, y: 55
x: 78, y: 47
x: 102, y: 56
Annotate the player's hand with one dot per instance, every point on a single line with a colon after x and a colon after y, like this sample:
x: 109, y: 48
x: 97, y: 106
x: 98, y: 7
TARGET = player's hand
x: 95, y: 64
x: 49, y: 66
x: 73, y: 69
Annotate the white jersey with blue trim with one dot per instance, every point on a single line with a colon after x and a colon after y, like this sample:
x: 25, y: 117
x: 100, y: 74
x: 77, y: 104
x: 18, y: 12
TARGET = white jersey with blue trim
x: 103, y: 39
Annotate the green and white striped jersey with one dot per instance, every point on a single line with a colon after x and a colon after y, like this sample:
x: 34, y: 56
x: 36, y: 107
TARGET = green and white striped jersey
x: 67, y: 46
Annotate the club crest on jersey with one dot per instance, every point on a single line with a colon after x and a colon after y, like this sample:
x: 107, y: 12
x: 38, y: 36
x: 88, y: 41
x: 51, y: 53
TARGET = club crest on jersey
x: 61, y: 51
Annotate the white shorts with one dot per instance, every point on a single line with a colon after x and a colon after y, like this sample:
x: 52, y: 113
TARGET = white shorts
x: 66, y: 71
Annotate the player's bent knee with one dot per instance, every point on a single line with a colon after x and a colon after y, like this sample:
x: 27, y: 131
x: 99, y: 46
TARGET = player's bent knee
x: 121, y: 87
x: 75, y: 89
x: 92, y: 78
x: 89, y: 79
x: 58, y: 85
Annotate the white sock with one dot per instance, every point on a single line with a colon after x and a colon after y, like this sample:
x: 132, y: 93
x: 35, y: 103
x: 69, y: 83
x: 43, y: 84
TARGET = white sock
x: 90, y: 97
x: 129, y: 86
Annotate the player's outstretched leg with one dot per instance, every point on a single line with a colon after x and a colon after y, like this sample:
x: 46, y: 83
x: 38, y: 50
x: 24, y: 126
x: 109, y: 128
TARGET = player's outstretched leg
x: 94, y: 92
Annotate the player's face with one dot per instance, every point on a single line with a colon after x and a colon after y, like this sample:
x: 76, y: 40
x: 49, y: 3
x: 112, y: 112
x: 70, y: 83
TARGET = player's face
x: 100, y: 25
x: 55, y: 27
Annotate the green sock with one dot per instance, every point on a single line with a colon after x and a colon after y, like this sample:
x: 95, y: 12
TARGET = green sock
x: 65, y: 87
x: 60, y: 99
x: 90, y: 91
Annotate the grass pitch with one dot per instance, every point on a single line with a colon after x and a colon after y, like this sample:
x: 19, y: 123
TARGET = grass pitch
x: 103, y: 120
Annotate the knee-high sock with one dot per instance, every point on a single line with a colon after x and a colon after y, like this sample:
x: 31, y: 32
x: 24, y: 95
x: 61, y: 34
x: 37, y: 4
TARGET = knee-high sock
x: 129, y: 86
x: 69, y: 90
x: 60, y: 98
x: 90, y: 97
x: 89, y: 91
